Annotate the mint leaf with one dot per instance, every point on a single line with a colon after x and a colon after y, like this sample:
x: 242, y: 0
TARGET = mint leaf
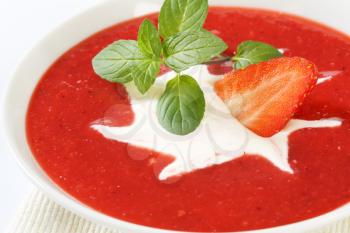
x: 181, y: 107
x: 148, y: 39
x: 145, y: 74
x: 187, y: 49
x: 182, y: 15
x: 115, y: 63
x: 253, y: 52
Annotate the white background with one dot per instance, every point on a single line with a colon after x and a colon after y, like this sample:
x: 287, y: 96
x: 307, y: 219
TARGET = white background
x: 22, y: 24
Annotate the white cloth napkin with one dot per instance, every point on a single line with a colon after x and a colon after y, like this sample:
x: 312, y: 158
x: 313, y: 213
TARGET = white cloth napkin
x: 42, y: 215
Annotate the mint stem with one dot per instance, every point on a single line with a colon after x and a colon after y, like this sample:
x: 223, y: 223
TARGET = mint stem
x: 218, y: 60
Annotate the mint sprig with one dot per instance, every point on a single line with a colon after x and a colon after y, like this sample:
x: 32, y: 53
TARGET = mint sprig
x: 180, y: 43
x: 185, y: 44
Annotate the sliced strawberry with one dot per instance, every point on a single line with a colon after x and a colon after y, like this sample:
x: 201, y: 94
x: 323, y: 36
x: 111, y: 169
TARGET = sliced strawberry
x: 264, y: 97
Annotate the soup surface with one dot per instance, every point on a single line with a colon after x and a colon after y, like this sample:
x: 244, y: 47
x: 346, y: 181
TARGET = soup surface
x: 248, y: 193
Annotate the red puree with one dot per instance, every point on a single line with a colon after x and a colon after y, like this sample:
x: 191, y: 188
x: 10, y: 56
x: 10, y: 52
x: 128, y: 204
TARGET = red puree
x: 248, y: 193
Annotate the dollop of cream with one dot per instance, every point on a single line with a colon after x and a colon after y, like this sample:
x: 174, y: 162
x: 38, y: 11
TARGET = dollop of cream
x: 219, y: 138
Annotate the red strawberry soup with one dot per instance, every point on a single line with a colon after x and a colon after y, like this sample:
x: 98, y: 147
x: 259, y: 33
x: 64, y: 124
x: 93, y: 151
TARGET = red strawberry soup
x: 246, y: 193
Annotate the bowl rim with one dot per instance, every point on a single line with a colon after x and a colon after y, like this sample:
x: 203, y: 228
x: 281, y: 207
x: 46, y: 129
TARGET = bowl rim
x: 95, y: 216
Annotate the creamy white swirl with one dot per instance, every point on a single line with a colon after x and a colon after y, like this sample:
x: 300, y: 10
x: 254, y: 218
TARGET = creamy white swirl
x: 219, y: 139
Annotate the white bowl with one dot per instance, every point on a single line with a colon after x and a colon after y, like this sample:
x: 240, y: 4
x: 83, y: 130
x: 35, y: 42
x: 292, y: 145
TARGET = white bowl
x: 107, y: 13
